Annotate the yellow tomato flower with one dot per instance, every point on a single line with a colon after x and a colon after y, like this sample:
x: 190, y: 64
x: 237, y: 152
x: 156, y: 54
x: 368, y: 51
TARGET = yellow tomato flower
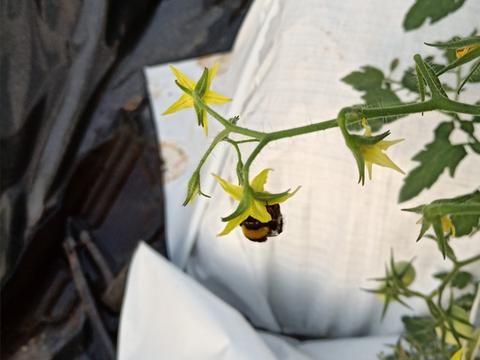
x: 257, y: 208
x: 373, y: 154
x: 447, y: 225
x: 186, y: 101
x: 464, y: 51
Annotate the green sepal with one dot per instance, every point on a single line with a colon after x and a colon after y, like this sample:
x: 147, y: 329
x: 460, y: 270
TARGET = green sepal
x: 201, y: 86
x: 242, y: 207
x: 267, y: 197
x: 420, y: 83
x: 474, y: 69
x: 428, y: 73
x: 417, y: 209
x: 441, y: 240
x: 183, y: 88
x: 423, y: 229
x: 199, y: 111
x: 193, y: 189
x: 457, y: 43
x: 370, y: 140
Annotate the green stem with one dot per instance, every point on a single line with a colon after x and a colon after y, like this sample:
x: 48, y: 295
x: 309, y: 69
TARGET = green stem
x: 220, y: 136
x: 253, y: 155
x: 469, y: 260
x: 301, y: 130
x: 228, y: 125
x: 403, y: 109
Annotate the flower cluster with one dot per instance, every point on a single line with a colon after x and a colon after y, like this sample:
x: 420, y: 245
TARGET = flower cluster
x: 255, y: 208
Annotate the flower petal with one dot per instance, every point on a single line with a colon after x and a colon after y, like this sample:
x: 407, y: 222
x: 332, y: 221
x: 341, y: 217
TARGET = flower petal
x: 258, y: 211
x: 211, y: 74
x: 184, y: 102
x: 369, y: 169
x: 212, y: 97
x: 183, y: 79
x: 234, y: 191
x: 205, y: 123
x: 284, y: 197
x: 232, y: 224
x: 373, y: 154
x: 259, y: 181
x: 385, y: 144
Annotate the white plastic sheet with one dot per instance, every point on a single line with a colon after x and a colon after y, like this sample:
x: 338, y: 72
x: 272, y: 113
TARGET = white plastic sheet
x: 167, y: 315
x: 285, y: 71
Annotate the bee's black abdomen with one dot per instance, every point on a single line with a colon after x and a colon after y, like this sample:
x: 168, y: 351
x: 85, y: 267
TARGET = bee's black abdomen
x: 257, y: 231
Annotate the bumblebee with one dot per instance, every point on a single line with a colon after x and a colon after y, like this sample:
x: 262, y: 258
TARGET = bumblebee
x: 257, y: 231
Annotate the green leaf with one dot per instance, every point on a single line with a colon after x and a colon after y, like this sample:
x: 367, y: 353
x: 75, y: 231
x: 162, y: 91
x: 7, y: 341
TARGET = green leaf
x: 475, y: 147
x: 462, y: 279
x: 434, y: 10
x: 409, y: 79
x: 434, y: 159
x: 421, y: 328
x: 365, y: 80
x: 465, y: 301
x: 382, y: 97
x: 467, y: 126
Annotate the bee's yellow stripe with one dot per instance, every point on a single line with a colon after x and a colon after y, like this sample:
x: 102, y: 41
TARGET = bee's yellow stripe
x: 255, y: 234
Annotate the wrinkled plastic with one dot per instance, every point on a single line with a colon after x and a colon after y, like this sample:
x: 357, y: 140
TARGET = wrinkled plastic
x: 81, y: 179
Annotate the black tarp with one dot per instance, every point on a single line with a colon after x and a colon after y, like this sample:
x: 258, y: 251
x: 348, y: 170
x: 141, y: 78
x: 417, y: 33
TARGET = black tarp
x: 81, y: 178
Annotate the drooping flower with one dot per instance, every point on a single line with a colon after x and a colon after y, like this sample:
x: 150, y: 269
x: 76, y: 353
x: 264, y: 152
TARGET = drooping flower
x: 186, y: 101
x: 374, y: 153
x: 257, y: 209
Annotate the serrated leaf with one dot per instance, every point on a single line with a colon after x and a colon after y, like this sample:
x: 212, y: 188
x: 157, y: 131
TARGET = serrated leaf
x: 381, y: 97
x: 462, y: 279
x: 434, y: 10
x: 434, y: 159
x: 367, y: 79
x: 409, y: 79
x: 420, y: 328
